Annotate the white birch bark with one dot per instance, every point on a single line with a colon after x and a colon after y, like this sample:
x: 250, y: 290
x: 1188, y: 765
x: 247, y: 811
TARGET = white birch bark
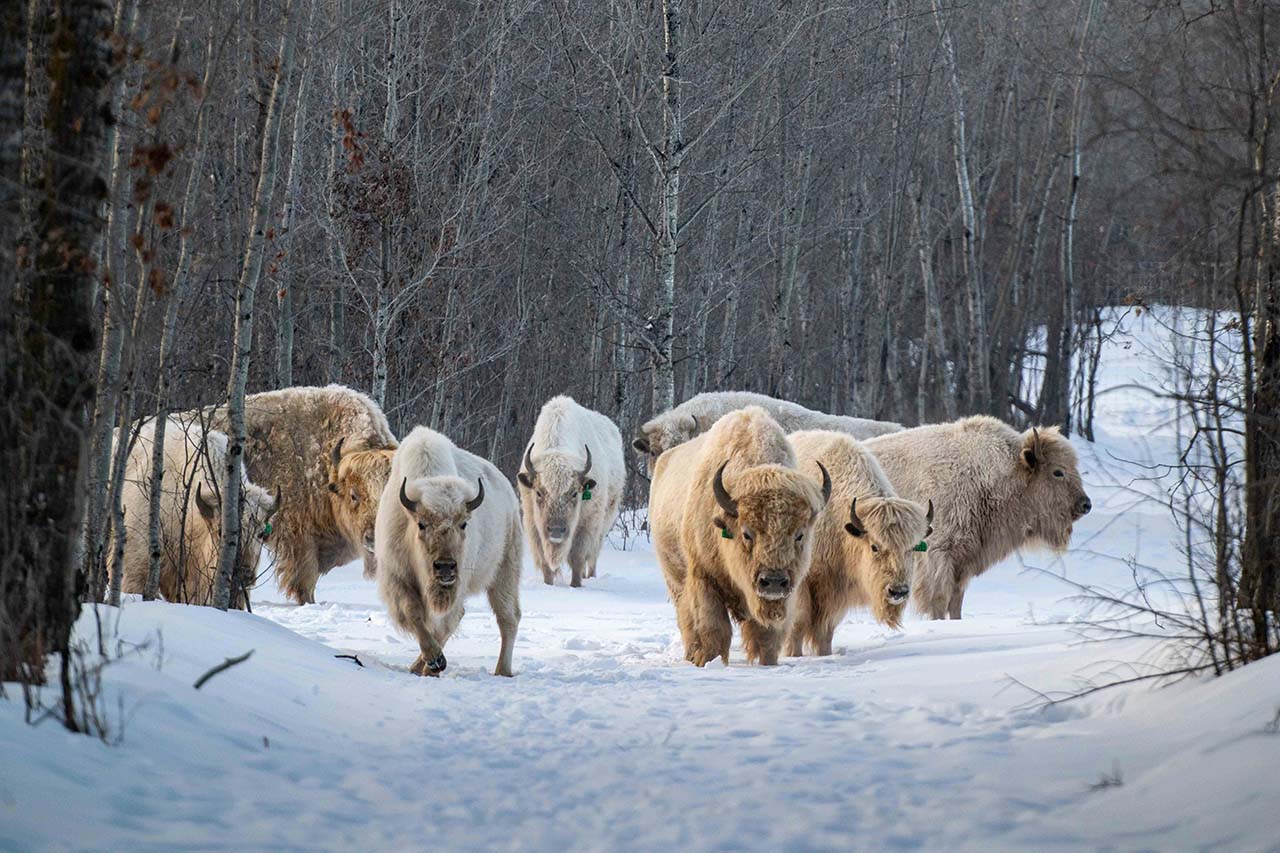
x: 246, y: 293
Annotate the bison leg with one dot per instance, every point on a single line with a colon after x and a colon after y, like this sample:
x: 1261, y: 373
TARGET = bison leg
x: 957, y: 600
x: 822, y: 638
x: 297, y: 570
x: 580, y: 556
x: 933, y: 586
x: 762, y: 643
x: 795, y: 644
x: 504, y: 600
x: 704, y: 622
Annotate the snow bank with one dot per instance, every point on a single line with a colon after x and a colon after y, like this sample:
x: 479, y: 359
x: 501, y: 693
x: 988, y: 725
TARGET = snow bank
x: 606, y: 739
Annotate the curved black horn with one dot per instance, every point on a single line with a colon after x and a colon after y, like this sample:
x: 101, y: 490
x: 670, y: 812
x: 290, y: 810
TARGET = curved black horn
x: 929, y: 515
x: 528, y: 462
x: 696, y: 426
x: 854, y: 526
x: 207, y: 509
x: 474, y: 503
x: 335, y: 455
x: 587, y: 469
x: 412, y: 506
x: 826, y: 484
x: 728, y: 504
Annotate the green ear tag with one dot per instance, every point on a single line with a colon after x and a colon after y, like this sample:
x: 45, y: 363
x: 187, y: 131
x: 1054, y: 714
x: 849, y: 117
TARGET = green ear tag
x: 725, y: 534
x: 923, y: 546
x: 586, y: 494
x: 266, y: 529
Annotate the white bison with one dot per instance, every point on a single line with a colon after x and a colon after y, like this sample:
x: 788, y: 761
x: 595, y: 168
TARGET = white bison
x: 697, y: 415
x: 997, y: 490
x: 190, y: 515
x: 865, y: 542
x: 330, y: 449
x: 729, y: 513
x: 572, y: 480
x: 448, y: 527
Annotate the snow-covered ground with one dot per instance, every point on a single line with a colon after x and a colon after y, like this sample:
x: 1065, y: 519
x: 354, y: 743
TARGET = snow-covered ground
x: 930, y: 737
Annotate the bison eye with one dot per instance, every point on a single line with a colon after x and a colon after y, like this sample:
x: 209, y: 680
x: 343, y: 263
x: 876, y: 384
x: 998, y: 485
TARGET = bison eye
x: 421, y: 526
x: 355, y: 498
x: 1059, y: 473
x: 875, y: 549
x: 800, y: 536
x: 746, y: 534
x: 462, y: 526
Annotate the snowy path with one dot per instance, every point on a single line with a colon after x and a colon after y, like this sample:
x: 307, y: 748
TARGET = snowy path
x: 607, y: 740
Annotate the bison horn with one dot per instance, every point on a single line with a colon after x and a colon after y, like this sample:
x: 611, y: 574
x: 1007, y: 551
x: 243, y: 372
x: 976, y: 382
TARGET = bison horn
x: 929, y: 515
x: 855, y: 525
x: 474, y: 503
x: 275, y: 507
x: 412, y: 506
x: 335, y: 458
x: 826, y: 484
x: 587, y: 469
x: 208, y: 510
x: 528, y: 462
x: 728, y: 504
x: 696, y: 427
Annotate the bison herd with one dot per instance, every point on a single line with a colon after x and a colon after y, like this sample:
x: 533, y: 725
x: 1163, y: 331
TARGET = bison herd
x: 762, y: 513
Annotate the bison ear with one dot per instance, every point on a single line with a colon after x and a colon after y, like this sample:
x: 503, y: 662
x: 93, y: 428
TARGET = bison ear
x: 589, y: 485
x: 641, y: 443
x: 1031, y: 450
x: 525, y: 480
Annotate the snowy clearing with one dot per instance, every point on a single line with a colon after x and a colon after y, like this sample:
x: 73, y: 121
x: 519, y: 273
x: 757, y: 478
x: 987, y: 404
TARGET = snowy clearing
x: 606, y: 739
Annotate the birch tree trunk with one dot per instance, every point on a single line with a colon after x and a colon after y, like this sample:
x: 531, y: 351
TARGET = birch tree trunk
x: 978, y: 374
x: 284, y: 290
x: 246, y: 293
x: 164, y: 369
x: 664, y: 391
x: 112, y: 294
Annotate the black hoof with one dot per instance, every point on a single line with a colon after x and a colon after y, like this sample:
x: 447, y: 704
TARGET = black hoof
x: 437, y: 664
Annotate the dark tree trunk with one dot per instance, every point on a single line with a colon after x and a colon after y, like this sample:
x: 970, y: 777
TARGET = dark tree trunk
x: 49, y: 340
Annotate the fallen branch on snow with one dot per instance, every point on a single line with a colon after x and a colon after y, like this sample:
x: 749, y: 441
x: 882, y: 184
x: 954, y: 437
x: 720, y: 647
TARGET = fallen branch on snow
x: 222, y: 667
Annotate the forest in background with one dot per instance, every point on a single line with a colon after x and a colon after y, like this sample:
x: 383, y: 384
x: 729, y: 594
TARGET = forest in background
x: 466, y: 208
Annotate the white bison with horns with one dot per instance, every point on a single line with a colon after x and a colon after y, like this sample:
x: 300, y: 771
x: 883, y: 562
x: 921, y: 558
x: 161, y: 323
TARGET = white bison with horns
x: 730, y: 512
x: 448, y: 528
x: 572, y: 480
x: 997, y: 490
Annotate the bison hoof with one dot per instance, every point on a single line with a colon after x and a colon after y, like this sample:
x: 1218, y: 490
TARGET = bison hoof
x: 437, y: 664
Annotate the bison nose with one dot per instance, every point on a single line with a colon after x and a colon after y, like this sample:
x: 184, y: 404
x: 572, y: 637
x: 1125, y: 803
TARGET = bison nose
x: 773, y: 584
x: 446, y: 572
x: 556, y: 533
x: 898, y: 593
x: 1083, y: 506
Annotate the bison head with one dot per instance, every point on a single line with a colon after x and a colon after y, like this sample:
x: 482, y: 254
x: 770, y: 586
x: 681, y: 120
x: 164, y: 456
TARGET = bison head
x: 558, y: 485
x: 661, y: 434
x: 356, y: 480
x: 438, y: 509
x: 256, y: 509
x: 1053, y: 496
x: 883, y: 536
x: 764, y: 521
